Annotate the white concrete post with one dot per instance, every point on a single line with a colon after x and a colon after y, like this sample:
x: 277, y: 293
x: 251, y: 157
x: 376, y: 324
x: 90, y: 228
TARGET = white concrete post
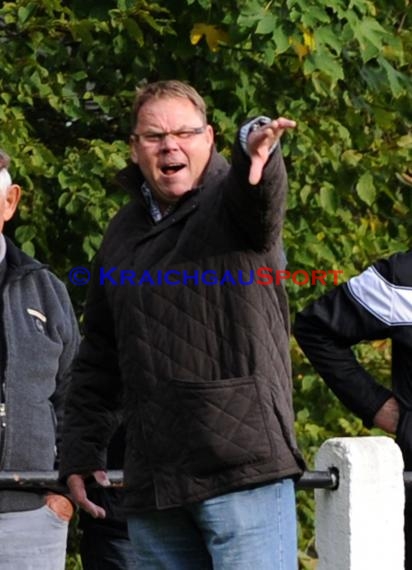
x: 359, y: 526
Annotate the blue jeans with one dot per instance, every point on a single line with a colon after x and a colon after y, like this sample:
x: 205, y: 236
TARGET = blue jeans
x: 253, y: 529
x: 30, y: 540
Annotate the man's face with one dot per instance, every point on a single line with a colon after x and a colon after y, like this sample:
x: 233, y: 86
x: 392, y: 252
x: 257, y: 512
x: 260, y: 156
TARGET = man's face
x: 171, y: 165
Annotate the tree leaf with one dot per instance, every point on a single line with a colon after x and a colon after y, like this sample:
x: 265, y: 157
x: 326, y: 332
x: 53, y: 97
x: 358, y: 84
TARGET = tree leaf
x: 267, y: 24
x: 366, y: 189
x: 328, y: 199
x: 395, y: 78
x: 213, y: 35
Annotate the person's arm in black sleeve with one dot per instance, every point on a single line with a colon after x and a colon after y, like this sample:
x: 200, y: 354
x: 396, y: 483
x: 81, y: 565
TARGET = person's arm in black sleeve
x: 326, y: 330
x: 91, y: 411
x: 93, y: 394
x: 256, y: 187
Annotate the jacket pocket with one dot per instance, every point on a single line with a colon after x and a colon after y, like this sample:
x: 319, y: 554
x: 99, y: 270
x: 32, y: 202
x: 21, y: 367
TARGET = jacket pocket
x: 215, y: 425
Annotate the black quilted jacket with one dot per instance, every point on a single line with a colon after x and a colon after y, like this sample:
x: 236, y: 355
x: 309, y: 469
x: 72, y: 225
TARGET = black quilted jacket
x: 204, y: 368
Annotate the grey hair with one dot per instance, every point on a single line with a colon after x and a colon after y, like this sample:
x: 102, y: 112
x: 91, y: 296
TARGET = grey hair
x: 5, y: 178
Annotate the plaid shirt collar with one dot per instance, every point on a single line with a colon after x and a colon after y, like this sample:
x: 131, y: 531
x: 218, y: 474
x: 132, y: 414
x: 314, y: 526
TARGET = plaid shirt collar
x: 153, y: 204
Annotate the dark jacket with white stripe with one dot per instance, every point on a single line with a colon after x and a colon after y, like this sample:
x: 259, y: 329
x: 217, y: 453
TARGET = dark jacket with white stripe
x: 376, y: 304
x: 205, y: 369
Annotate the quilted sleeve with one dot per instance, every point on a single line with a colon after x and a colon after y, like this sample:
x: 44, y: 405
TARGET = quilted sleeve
x: 257, y: 210
x: 95, y: 390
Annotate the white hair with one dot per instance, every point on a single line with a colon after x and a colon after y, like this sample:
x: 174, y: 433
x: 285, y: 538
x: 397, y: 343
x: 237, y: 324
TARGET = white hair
x: 5, y: 181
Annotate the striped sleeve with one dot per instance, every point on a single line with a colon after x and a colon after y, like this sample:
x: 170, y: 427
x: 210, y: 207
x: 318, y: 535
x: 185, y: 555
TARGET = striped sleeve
x: 390, y: 303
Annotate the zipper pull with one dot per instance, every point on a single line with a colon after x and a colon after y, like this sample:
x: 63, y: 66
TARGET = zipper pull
x: 3, y: 415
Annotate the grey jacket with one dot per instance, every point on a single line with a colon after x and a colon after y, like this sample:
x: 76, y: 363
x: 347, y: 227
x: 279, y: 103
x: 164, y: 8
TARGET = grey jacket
x: 40, y: 338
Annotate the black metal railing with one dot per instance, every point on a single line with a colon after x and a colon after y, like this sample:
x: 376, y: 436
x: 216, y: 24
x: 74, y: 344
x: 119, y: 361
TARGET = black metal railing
x: 28, y: 480
x: 49, y: 479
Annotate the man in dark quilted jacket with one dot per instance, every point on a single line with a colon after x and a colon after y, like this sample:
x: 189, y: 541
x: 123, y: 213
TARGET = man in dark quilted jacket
x: 186, y: 319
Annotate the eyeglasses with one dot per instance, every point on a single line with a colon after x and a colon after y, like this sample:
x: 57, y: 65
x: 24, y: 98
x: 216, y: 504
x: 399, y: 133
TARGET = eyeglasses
x: 152, y: 138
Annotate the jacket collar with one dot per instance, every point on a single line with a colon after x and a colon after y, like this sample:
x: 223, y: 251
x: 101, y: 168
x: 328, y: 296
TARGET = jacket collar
x: 131, y: 179
x: 20, y: 261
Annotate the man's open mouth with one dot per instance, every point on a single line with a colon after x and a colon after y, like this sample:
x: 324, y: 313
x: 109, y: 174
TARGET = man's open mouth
x: 170, y: 169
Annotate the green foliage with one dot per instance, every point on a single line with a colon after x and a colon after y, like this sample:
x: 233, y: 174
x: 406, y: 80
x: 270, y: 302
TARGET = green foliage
x: 341, y: 69
x: 73, y: 561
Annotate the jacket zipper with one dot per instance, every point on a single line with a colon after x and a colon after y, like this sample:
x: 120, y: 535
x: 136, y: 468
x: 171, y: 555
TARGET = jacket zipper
x: 3, y: 422
x: 2, y: 429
